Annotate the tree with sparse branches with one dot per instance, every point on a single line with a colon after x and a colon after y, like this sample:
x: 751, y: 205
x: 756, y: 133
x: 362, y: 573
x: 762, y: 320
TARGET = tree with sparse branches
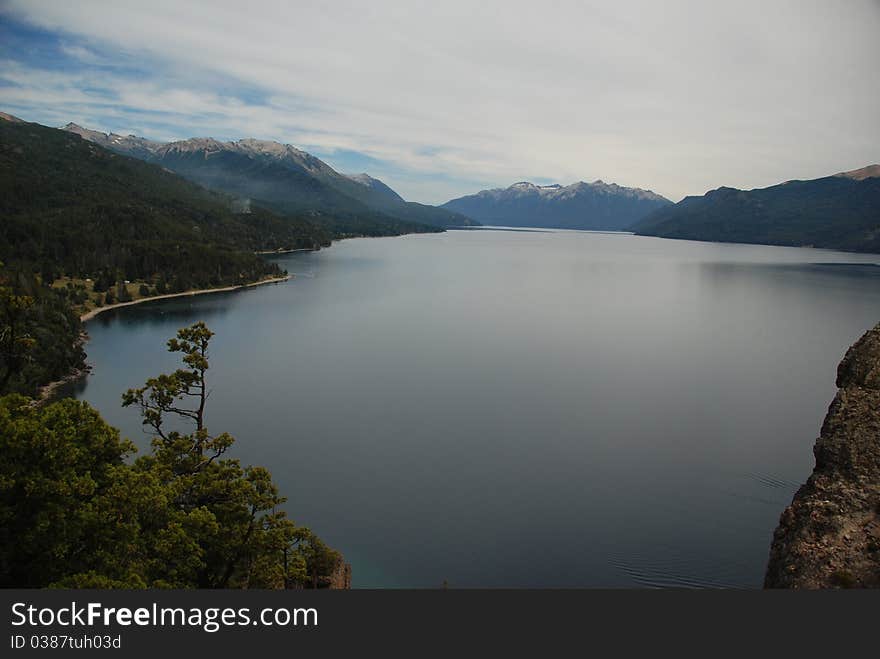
x: 244, y: 538
x: 184, y: 394
x: 76, y: 512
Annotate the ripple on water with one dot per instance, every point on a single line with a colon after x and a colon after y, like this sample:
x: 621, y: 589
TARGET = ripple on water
x: 672, y: 568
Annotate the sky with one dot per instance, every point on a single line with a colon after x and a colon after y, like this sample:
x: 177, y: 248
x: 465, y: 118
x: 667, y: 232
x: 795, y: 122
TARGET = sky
x: 442, y: 99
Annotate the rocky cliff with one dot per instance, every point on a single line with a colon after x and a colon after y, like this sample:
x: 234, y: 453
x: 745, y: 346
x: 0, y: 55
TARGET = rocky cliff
x: 340, y: 578
x: 829, y: 537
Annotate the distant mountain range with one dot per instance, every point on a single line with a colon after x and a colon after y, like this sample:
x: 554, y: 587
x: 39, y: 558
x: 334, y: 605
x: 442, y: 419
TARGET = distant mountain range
x: 597, y: 206
x: 841, y: 211
x: 836, y: 212
x: 283, y: 178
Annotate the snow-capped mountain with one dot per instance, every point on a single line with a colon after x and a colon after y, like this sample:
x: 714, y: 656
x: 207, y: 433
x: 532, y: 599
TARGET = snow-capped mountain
x: 279, y: 175
x: 130, y: 145
x: 597, y: 205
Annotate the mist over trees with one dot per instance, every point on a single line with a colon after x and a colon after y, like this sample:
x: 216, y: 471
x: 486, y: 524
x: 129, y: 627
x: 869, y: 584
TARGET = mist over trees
x: 72, y: 208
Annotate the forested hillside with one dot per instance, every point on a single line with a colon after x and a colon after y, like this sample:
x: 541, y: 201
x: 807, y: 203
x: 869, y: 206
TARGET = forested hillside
x: 79, y: 221
x: 286, y: 179
x: 835, y: 212
x: 72, y: 208
x: 83, y: 226
x: 39, y: 333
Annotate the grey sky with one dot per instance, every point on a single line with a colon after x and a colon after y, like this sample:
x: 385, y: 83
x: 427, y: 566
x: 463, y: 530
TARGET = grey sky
x: 447, y: 97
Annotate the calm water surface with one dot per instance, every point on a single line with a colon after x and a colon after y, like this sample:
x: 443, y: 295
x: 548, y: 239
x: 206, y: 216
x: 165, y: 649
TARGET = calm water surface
x: 497, y: 408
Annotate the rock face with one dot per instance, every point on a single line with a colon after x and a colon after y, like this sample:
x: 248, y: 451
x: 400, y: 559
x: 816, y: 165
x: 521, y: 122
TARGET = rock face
x: 829, y: 537
x: 340, y: 579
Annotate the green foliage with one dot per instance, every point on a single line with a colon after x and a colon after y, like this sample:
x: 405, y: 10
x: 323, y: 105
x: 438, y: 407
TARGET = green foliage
x: 39, y: 333
x: 122, y: 293
x: 56, y: 463
x: 16, y: 342
x: 834, y: 212
x: 315, y: 194
x: 71, y: 207
x: 167, y: 394
x: 75, y: 512
x: 242, y: 537
x: 344, y: 224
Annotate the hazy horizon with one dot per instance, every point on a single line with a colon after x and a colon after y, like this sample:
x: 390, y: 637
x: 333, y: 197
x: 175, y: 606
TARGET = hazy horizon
x: 440, y: 102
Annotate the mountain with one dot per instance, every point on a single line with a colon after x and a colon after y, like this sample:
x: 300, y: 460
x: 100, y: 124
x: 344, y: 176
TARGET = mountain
x: 374, y: 190
x: 861, y: 174
x: 284, y: 178
x: 375, y: 194
x: 71, y: 207
x: 8, y: 117
x: 835, y: 212
x: 597, y: 206
x: 129, y: 145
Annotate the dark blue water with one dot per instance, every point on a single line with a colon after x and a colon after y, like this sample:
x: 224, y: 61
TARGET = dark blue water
x: 523, y: 408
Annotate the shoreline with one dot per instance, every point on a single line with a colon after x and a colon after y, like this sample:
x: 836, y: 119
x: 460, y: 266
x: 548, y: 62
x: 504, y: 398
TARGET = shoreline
x: 270, y: 252
x: 167, y: 296
x: 45, y: 392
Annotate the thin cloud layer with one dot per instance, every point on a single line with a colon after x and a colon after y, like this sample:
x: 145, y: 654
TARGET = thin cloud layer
x: 442, y: 99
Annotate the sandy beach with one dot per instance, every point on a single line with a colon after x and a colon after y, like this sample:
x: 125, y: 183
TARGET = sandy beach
x: 287, y: 251
x: 202, y: 291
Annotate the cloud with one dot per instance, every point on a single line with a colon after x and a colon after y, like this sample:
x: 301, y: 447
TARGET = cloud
x: 82, y: 54
x: 447, y: 98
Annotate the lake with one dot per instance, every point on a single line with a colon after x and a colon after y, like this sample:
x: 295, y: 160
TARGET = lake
x: 522, y: 408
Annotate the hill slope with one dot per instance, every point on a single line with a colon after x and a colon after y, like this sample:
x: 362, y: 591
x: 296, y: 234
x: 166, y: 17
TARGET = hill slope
x: 836, y: 212
x: 597, y: 206
x: 74, y: 208
x: 284, y: 177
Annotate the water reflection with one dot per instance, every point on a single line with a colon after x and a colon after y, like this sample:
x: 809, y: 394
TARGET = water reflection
x: 160, y: 312
x: 523, y: 408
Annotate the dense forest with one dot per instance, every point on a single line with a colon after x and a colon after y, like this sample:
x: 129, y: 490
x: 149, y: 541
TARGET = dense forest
x: 77, y: 511
x: 71, y: 208
x: 39, y: 333
x: 281, y: 176
x: 835, y: 212
x: 84, y: 227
